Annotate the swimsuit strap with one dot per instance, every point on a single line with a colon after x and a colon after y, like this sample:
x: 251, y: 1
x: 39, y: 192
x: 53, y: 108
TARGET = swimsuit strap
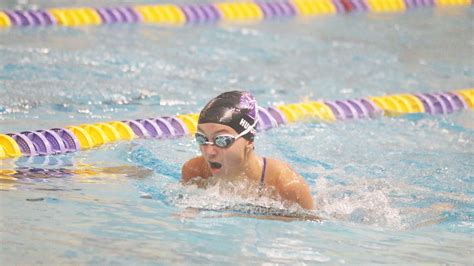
x: 262, y: 177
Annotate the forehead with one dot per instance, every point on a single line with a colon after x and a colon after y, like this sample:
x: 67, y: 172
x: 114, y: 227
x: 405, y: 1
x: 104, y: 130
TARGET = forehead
x: 212, y: 129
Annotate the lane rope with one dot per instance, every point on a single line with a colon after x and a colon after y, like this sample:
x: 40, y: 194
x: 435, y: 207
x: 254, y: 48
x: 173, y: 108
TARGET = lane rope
x: 192, y: 14
x: 87, y: 136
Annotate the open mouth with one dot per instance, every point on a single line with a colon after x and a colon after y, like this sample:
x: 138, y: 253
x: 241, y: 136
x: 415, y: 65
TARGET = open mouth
x: 215, y: 165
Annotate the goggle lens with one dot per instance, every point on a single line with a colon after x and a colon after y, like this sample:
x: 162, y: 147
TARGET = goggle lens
x: 222, y: 141
x: 200, y: 139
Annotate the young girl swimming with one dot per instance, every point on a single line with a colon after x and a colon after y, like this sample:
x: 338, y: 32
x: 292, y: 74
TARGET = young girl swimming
x: 225, y: 134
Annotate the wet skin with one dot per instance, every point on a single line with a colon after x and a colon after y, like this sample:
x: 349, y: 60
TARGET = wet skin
x: 239, y: 162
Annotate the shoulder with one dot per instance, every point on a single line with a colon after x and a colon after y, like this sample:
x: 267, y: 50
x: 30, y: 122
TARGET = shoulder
x: 289, y: 184
x: 277, y: 169
x: 195, y: 167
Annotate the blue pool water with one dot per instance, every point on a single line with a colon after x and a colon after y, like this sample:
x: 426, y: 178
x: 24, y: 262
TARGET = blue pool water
x: 389, y: 190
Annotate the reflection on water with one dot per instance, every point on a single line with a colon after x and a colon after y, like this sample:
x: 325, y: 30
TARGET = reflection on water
x: 23, y: 177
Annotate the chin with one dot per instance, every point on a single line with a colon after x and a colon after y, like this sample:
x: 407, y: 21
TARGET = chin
x: 222, y: 172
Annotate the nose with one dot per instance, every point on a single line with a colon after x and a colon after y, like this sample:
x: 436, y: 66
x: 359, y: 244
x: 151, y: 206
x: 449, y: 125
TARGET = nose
x: 209, y: 150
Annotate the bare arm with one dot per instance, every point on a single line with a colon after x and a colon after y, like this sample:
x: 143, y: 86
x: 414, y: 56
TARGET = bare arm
x: 293, y: 187
x: 194, y: 168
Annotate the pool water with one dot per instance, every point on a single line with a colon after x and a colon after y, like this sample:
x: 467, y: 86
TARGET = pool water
x: 388, y: 190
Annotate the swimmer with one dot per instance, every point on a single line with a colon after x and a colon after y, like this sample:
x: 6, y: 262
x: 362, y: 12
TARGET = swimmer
x: 225, y: 134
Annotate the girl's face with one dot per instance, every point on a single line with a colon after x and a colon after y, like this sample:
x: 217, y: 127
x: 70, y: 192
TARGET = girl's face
x: 228, y: 162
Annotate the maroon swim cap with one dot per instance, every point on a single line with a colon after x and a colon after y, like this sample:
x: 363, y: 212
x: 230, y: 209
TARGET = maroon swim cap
x: 236, y: 109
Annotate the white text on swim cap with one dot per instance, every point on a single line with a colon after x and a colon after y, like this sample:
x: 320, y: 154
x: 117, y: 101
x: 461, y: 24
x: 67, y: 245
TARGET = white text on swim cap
x: 246, y: 125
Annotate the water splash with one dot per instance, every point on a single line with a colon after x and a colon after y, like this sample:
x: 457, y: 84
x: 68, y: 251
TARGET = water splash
x: 379, y: 203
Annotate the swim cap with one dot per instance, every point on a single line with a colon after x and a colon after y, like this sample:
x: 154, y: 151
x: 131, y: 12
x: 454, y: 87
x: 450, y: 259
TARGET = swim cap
x: 236, y: 109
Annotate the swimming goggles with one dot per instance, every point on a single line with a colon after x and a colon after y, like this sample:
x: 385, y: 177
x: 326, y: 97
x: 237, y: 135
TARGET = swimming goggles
x: 224, y: 140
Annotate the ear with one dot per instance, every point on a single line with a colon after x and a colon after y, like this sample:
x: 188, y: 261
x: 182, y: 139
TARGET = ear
x: 249, y: 146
